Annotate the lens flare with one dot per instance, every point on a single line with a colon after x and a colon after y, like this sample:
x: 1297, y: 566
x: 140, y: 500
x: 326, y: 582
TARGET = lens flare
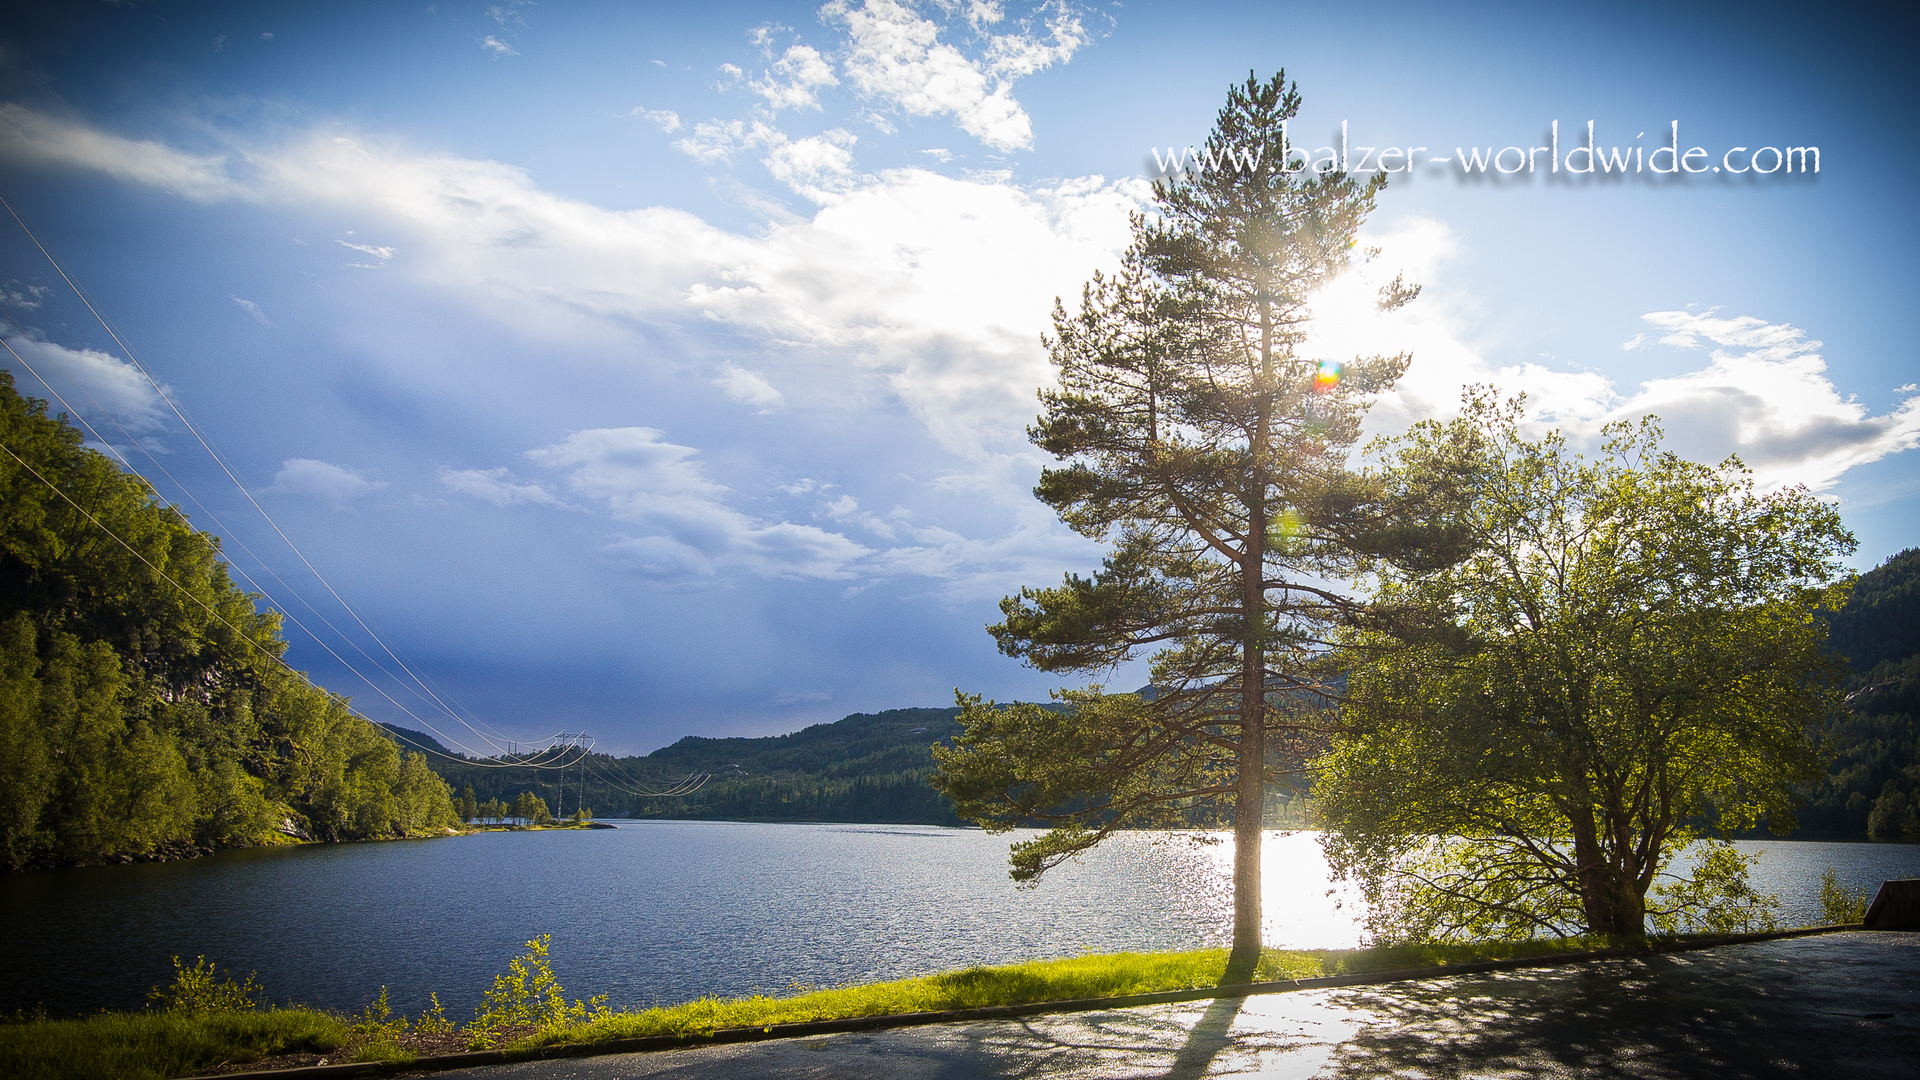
x: 1284, y: 529
x: 1327, y: 377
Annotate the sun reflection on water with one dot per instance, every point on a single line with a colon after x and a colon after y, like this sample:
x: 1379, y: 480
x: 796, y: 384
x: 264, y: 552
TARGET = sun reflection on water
x: 1192, y: 873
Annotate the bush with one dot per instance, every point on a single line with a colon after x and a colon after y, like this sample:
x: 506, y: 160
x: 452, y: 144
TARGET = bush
x: 200, y: 991
x: 1839, y: 903
x: 529, y: 995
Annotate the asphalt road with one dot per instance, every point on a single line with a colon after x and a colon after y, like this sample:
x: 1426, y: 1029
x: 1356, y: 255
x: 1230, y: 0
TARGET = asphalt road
x: 1841, y: 1005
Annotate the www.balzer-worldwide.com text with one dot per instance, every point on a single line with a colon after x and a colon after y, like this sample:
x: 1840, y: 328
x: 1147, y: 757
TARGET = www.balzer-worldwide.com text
x: 1585, y: 157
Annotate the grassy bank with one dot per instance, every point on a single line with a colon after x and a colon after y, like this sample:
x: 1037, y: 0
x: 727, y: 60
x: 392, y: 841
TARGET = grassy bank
x: 525, y: 1010
x: 154, y: 1045
x: 1111, y: 975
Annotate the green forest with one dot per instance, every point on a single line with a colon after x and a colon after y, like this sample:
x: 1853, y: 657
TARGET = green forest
x: 869, y: 767
x: 144, y: 711
x: 1872, y: 786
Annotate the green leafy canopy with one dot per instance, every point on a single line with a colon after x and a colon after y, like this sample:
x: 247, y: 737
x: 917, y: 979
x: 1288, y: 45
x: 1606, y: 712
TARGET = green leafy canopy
x: 1628, y: 657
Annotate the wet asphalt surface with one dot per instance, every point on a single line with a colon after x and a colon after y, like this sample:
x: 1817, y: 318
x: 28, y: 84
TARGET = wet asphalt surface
x: 1839, y: 1005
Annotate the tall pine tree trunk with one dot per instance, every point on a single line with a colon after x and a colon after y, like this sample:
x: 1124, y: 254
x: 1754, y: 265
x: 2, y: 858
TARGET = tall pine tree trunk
x: 1248, y: 814
x: 1249, y: 811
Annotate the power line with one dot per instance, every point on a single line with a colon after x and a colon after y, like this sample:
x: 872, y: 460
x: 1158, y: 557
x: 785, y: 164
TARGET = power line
x: 162, y: 575
x: 424, y: 692
x: 475, y: 758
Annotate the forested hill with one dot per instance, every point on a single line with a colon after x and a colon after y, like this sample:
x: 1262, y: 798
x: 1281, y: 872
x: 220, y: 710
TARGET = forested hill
x: 866, y: 767
x: 855, y: 745
x: 148, y: 716
x: 1873, y: 785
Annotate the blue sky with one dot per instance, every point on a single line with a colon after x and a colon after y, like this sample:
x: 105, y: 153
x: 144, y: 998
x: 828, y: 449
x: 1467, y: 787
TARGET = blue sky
x: 663, y: 369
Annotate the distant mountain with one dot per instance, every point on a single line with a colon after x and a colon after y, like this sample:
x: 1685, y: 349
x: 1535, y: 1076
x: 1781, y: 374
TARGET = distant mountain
x: 418, y: 740
x: 857, y: 744
x: 1872, y: 787
x: 1881, y: 621
x: 867, y: 767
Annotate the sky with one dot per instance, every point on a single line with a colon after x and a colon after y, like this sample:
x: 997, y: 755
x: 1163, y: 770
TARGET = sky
x: 654, y: 369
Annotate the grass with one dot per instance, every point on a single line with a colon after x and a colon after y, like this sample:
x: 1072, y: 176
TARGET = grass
x: 158, y: 1045
x: 163, y: 1044
x: 1111, y: 975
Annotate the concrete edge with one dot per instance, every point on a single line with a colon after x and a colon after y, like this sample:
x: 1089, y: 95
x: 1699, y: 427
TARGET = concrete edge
x: 445, y: 1062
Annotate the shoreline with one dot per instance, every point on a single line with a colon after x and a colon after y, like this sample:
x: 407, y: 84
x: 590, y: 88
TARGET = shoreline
x: 186, y: 852
x: 313, y: 1042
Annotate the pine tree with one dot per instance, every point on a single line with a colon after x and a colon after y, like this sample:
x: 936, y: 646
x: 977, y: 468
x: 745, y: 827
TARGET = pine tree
x: 1207, y: 447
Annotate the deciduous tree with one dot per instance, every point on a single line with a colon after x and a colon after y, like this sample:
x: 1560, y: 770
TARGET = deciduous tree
x: 1630, y: 657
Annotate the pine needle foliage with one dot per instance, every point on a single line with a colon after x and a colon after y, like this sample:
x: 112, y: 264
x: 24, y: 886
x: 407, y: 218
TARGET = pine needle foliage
x: 1200, y: 440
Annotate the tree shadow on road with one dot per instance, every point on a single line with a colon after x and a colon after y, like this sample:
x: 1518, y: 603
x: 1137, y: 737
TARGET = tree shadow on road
x: 1207, y: 1041
x: 1656, y: 1017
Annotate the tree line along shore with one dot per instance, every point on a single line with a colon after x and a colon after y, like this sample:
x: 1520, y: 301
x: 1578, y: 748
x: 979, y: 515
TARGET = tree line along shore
x: 144, y: 709
x: 145, y: 713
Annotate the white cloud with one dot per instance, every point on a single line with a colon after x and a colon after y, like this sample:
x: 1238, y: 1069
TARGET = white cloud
x: 336, y: 484
x: 660, y: 557
x: 718, y: 140
x: 378, y: 252
x: 847, y: 508
x: 509, y: 13
x: 497, y: 47
x: 897, y: 57
x: 794, y: 81
x: 97, y: 384
x: 1762, y: 394
x: 25, y: 297
x: 819, y: 166
x: 910, y: 287
x: 762, y: 36
x: 497, y: 486
x: 252, y: 309
x: 644, y: 479
x: 1015, y: 55
x: 34, y: 136
x: 984, y: 13
x: 666, y: 119
x: 749, y: 389
x: 942, y: 285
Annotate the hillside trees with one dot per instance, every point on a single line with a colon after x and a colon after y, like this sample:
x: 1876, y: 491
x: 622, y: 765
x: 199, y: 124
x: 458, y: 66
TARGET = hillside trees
x: 143, y: 709
x: 1873, y: 785
x: 1206, y: 446
x: 1631, y: 656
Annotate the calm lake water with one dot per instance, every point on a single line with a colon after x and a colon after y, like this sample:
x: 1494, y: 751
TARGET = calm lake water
x: 659, y: 912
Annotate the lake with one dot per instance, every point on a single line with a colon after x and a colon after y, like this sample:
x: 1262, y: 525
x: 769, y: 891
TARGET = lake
x: 665, y: 911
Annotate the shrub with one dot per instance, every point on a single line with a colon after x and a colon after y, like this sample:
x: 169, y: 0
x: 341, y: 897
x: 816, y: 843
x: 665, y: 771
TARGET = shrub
x: 200, y: 991
x: 1840, y: 903
x: 527, y: 995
